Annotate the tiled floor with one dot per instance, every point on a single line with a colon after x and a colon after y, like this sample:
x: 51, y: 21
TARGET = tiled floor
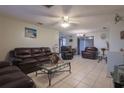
x: 86, y: 73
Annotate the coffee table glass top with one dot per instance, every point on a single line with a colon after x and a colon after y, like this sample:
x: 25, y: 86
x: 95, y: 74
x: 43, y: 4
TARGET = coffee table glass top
x: 54, y: 66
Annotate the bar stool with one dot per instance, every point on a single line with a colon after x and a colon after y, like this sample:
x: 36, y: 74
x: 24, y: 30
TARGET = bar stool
x: 103, y: 55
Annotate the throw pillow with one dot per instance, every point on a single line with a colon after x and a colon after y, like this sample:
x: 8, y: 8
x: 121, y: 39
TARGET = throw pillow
x: 54, y: 58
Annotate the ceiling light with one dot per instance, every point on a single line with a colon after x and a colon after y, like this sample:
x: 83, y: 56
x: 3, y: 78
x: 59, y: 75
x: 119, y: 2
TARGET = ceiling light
x: 81, y: 35
x: 66, y: 18
x: 65, y: 24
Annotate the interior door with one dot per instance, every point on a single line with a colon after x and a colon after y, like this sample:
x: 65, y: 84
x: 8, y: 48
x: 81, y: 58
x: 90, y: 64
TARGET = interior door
x: 81, y: 45
x: 62, y: 42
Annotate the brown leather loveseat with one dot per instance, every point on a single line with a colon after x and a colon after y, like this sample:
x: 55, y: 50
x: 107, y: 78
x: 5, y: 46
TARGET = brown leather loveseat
x: 90, y: 53
x: 27, y: 59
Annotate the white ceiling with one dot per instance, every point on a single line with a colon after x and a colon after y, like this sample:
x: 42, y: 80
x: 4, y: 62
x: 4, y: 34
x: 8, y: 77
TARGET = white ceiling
x: 89, y: 17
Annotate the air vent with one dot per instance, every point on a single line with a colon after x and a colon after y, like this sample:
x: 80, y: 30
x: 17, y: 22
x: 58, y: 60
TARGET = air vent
x: 104, y: 27
x: 39, y: 23
x: 48, y: 6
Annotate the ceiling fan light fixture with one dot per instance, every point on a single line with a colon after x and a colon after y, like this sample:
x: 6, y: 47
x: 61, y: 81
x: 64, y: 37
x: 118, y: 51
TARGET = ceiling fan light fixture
x: 66, y: 18
x: 80, y: 35
x: 65, y: 24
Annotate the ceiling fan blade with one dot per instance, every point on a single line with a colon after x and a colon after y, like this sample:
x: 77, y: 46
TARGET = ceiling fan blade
x: 51, y: 18
x: 45, y: 14
x: 78, y: 16
x: 75, y: 22
x: 52, y: 24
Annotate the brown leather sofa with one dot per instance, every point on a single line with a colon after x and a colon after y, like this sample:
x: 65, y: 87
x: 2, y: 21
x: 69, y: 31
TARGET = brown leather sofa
x: 66, y: 53
x: 13, y: 77
x: 90, y: 53
x: 27, y: 59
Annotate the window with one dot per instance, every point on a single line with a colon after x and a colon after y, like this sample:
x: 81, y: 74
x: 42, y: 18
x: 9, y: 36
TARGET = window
x: 63, y: 41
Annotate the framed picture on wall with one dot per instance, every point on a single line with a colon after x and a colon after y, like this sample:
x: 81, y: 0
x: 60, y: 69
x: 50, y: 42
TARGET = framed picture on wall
x: 30, y: 32
x: 70, y: 40
x: 122, y: 34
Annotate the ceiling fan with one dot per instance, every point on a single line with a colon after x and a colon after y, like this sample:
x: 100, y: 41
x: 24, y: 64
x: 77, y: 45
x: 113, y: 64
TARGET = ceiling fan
x: 118, y: 18
x: 51, y: 17
x: 64, y: 21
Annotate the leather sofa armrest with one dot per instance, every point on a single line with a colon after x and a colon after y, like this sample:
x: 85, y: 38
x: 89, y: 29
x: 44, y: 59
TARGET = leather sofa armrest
x: 16, y: 61
x: 4, y: 64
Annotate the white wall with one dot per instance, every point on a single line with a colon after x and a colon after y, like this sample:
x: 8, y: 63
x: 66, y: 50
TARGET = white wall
x: 115, y: 42
x: 115, y: 57
x: 74, y: 41
x: 12, y: 35
x: 98, y: 42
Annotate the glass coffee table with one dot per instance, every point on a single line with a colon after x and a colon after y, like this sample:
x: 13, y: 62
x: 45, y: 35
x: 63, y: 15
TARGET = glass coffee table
x: 51, y: 69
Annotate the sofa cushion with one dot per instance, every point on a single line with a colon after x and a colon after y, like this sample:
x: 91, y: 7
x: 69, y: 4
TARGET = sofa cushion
x: 36, y: 52
x: 11, y: 77
x: 19, y: 83
x: 8, y: 69
x: 28, y: 61
x: 41, y: 59
x: 4, y: 64
x: 47, y: 51
x: 91, y: 53
x: 38, y: 55
x: 91, y: 49
x: 22, y: 52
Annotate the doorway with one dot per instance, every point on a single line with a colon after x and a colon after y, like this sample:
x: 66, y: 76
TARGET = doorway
x: 62, y: 42
x: 83, y: 42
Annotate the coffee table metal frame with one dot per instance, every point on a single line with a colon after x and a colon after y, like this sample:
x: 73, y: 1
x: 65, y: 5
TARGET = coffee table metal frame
x: 101, y: 57
x: 51, y: 70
